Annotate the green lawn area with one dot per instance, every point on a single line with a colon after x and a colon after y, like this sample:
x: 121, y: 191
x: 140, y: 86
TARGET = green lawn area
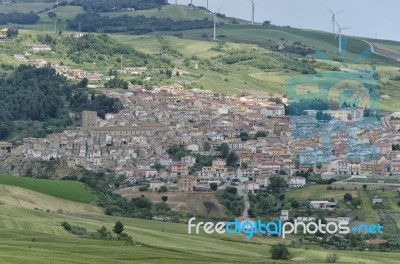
x: 318, y: 192
x: 64, y: 13
x: 68, y: 190
x: 369, y: 213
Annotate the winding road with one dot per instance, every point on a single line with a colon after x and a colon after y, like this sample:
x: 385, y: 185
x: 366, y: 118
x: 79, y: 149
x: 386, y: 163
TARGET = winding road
x: 243, y: 192
x: 377, y: 53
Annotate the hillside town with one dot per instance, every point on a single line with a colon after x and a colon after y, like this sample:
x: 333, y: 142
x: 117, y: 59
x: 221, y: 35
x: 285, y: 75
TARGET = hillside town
x: 135, y: 143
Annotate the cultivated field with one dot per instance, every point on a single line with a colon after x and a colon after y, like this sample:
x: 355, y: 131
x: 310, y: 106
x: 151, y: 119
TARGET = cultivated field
x: 181, y: 201
x: 68, y: 190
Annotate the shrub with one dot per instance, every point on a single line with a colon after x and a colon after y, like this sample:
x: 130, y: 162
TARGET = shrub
x: 279, y: 251
x: 66, y: 226
x: 78, y: 230
x: 332, y: 258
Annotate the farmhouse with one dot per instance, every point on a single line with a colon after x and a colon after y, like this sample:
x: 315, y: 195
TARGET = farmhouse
x: 377, y: 200
x: 323, y: 205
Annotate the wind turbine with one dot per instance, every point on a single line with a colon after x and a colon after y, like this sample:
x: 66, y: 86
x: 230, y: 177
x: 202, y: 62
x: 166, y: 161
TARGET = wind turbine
x: 252, y: 2
x: 334, y: 18
x: 340, y: 36
x: 215, y: 23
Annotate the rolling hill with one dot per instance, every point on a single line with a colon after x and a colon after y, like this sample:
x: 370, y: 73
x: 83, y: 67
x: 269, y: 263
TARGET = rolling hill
x: 36, y: 236
x: 202, y: 61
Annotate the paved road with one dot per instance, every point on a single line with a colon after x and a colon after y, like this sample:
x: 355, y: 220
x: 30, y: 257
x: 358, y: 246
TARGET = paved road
x: 243, y: 192
x: 377, y: 53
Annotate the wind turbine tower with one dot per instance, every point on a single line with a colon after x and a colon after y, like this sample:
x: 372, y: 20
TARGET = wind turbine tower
x: 340, y: 36
x: 215, y: 23
x: 333, y: 22
x: 252, y: 10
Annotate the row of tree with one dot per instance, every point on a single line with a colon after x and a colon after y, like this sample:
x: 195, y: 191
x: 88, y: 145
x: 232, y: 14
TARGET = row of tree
x: 18, y: 18
x: 117, y: 5
x: 94, y: 22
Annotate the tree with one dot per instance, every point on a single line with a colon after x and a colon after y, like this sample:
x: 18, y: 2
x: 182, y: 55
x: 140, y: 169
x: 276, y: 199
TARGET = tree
x: 224, y: 148
x: 118, y: 228
x: 277, y: 184
x: 213, y: 186
x: 209, y: 207
x: 260, y: 134
x: 83, y: 83
x: 231, y: 159
x: 294, y: 204
x: 164, y: 198
x: 207, y: 146
x: 51, y: 14
x: 163, y: 189
x: 364, y: 187
x: 244, y: 165
x: 244, y: 136
x: 279, y: 251
x: 332, y: 258
x: 348, y: 197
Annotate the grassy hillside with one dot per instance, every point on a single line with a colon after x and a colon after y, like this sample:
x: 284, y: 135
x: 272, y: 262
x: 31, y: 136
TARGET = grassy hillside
x: 36, y: 236
x: 68, y: 190
x: 156, y: 242
x: 175, y: 12
x: 24, y: 7
x: 181, y: 202
x: 23, y: 198
x: 270, y: 35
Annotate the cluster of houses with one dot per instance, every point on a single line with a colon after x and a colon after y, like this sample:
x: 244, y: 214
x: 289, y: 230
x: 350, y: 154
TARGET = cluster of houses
x: 135, y: 142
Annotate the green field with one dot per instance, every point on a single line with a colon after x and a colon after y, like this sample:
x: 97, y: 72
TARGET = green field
x: 44, y: 241
x: 317, y: 192
x: 36, y: 236
x: 68, y: 190
x: 174, y: 12
x: 24, y: 7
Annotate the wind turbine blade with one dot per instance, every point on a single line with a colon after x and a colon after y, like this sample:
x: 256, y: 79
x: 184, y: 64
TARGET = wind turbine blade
x: 216, y: 20
x: 330, y: 10
x: 219, y: 9
x: 347, y: 28
x: 339, y: 12
x: 337, y: 24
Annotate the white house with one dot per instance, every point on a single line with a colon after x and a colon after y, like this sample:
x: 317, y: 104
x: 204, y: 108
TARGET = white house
x: 284, y: 215
x: 189, y: 160
x: 155, y: 185
x: 193, y: 147
x: 252, y: 186
x: 296, y: 182
x: 263, y: 181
